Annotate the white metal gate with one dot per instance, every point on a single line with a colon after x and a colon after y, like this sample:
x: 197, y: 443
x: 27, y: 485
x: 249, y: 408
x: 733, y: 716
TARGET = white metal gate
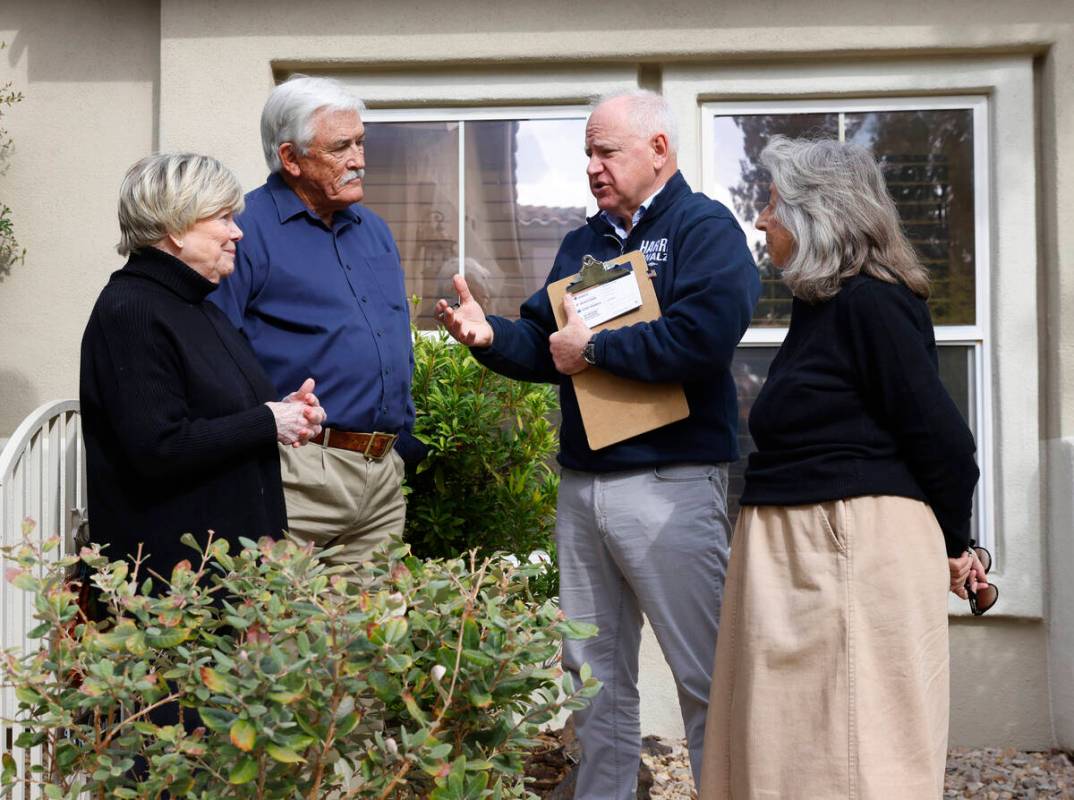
x: 43, y: 478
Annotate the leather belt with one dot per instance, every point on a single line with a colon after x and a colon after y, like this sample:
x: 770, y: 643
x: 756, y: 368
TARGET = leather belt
x: 373, y: 446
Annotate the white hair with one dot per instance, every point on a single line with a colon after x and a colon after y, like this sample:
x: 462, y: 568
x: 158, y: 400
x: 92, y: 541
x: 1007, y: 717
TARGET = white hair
x: 650, y: 114
x: 289, y: 110
x: 168, y: 193
x: 833, y: 200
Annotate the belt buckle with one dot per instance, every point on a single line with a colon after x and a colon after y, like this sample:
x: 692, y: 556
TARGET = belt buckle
x: 391, y: 437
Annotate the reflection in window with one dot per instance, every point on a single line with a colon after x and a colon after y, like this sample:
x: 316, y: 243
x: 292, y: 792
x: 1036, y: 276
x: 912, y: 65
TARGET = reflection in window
x: 524, y: 187
x: 927, y: 159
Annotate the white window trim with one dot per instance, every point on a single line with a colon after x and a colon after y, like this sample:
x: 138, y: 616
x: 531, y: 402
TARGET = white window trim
x: 976, y: 335
x: 1011, y: 462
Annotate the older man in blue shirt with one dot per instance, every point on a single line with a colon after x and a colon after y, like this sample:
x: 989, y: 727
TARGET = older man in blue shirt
x: 318, y: 290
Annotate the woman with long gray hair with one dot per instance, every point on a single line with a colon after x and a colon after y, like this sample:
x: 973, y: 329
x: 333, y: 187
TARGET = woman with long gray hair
x: 831, y: 675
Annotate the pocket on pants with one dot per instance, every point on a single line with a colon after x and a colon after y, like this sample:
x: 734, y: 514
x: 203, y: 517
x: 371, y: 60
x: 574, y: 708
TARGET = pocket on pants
x: 833, y: 519
x: 680, y: 473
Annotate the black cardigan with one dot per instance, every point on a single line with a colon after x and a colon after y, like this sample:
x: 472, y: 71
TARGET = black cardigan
x: 853, y: 406
x: 177, y: 435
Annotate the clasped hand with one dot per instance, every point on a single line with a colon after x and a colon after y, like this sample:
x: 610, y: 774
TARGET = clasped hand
x: 299, y: 416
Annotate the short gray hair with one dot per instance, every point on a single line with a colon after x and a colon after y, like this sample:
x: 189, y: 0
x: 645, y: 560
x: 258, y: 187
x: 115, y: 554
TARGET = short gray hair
x: 167, y: 193
x: 833, y: 200
x: 650, y: 114
x: 289, y: 110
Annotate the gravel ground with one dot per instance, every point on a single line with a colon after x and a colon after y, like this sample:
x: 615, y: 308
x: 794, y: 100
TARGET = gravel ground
x: 988, y: 774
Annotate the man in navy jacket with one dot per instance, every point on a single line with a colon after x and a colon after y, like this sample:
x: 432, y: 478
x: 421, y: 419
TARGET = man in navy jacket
x: 642, y: 525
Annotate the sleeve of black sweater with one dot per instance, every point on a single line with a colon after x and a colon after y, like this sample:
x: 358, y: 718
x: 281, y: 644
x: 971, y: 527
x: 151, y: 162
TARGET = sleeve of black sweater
x: 148, y: 412
x: 890, y: 336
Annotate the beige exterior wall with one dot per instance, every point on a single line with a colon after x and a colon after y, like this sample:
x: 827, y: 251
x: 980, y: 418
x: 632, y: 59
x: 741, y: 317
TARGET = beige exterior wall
x: 89, y: 72
x: 101, y: 78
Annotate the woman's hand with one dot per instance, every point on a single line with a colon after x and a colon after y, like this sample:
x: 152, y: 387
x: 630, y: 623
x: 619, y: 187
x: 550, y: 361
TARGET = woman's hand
x: 299, y: 416
x: 966, y: 568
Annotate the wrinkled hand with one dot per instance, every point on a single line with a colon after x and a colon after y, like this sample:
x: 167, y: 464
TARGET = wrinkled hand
x: 299, y: 416
x: 567, y: 344
x: 304, y: 394
x: 966, y: 567
x: 466, y: 323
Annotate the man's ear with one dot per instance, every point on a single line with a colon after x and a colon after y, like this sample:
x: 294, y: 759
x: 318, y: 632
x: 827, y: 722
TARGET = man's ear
x: 288, y: 159
x: 658, y: 144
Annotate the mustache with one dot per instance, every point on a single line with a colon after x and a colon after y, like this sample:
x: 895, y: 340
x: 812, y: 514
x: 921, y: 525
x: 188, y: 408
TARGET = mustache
x: 350, y: 176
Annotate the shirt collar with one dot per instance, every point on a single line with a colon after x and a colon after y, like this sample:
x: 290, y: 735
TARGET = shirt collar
x: 617, y: 222
x: 289, y: 205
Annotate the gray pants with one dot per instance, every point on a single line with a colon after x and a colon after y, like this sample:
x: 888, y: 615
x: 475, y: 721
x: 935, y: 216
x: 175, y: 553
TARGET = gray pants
x: 652, y: 542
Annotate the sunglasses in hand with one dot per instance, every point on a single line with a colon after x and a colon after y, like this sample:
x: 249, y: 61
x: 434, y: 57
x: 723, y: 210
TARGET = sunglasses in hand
x: 986, y: 596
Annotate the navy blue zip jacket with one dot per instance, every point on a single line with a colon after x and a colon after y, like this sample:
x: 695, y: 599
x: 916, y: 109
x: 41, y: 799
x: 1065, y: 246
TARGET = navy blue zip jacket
x: 707, y: 284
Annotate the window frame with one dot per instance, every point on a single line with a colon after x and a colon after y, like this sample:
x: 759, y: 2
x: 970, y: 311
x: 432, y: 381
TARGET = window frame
x: 462, y: 115
x: 976, y: 336
x: 1014, y: 461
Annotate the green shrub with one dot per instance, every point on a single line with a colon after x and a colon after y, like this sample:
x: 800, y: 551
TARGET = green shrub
x: 10, y: 250
x: 488, y: 481
x: 426, y: 679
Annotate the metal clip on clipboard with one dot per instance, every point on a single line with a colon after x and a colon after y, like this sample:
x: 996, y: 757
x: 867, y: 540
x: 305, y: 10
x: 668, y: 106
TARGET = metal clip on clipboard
x: 594, y: 273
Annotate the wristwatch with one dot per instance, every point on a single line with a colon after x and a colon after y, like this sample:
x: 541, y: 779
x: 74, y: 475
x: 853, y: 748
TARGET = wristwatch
x: 589, y: 352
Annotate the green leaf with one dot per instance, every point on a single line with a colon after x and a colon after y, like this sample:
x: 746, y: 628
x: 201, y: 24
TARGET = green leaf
x: 53, y: 792
x: 243, y: 734
x: 28, y: 695
x: 216, y: 719
x: 168, y: 638
x: 243, y: 772
x: 189, y: 540
x: 217, y: 681
x: 285, y: 755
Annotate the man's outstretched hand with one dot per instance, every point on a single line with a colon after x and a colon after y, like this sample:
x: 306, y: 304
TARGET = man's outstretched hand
x: 465, y: 321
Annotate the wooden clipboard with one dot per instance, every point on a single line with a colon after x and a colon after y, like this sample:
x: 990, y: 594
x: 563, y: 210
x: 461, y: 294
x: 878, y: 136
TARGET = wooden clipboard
x: 615, y: 409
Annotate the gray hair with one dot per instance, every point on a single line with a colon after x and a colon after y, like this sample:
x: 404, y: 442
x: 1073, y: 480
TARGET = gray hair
x: 169, y: 192
x: 650, y: 114
x: 289, y: 110
x: 833, y: 200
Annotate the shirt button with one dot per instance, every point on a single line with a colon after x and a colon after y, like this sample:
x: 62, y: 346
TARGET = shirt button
x: 365, y: 299
x: 348, y: 266
x: 380, y: 333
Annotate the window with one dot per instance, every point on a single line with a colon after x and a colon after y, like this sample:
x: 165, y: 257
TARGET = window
x: 489, y: 194
x: 930, y: 152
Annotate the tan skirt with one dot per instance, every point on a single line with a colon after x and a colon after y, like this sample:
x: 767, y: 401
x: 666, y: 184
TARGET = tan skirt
x: 831, y: 677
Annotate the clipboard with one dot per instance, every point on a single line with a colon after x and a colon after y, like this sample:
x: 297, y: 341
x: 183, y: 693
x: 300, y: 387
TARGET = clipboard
x: 615, y: 409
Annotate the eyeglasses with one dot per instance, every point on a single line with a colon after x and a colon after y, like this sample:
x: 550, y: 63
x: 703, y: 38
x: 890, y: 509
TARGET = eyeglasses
x: 986, y: 597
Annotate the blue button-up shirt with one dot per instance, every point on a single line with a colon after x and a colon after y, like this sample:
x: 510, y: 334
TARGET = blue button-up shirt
x: 330, y: 304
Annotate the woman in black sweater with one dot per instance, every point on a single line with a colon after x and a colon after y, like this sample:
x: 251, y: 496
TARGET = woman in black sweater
x: 180, y: 421
x: 832, y: 662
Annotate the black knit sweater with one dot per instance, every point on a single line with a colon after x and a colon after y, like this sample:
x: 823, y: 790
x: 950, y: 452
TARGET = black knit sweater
x: 177, y: 435
x: 853, y: 406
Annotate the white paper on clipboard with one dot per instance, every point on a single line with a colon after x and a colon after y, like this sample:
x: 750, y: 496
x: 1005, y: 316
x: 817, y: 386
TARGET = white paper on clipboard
x: 607, y: 301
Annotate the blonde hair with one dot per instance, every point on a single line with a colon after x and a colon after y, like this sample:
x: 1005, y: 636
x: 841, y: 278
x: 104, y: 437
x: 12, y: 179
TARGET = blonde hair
x: 833, y: 200
x: 167, y: 193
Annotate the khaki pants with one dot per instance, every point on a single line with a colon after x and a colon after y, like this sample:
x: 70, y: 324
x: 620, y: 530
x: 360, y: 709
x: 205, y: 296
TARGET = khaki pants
x: 831, y: 676
x: 336, y: 497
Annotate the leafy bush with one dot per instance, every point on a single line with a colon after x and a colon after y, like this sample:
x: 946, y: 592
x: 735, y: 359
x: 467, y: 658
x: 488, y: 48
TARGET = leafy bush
x: 416, y: 679
x: 487, y: 482
x: 10, y: 250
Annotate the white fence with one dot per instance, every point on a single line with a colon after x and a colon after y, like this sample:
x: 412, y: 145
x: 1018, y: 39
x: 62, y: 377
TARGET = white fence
x: 43, y: 478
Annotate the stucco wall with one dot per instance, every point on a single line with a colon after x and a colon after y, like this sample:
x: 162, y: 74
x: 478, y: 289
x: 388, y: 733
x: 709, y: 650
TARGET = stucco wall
x: 101, y: 79
x: 88, y: 70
